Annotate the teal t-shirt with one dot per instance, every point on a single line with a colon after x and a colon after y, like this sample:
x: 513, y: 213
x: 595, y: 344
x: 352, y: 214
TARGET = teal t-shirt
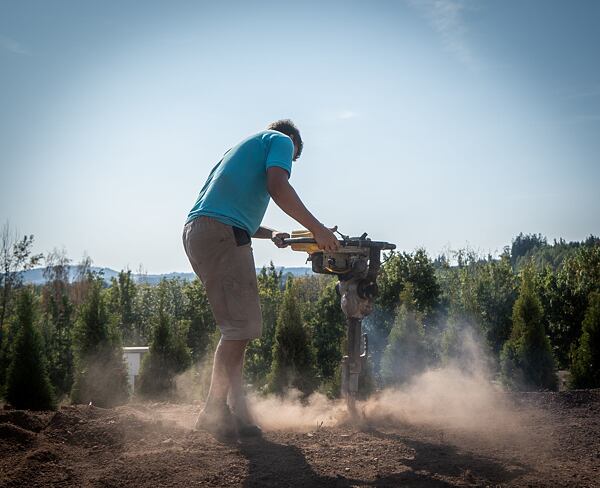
x: 235, y: 192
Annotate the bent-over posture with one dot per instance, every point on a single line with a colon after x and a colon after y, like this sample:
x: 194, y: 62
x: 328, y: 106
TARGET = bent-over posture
x: 217, y: 240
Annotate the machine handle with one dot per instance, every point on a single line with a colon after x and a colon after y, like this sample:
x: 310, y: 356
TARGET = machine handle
x: 343, y: 242
x: 299, y: 240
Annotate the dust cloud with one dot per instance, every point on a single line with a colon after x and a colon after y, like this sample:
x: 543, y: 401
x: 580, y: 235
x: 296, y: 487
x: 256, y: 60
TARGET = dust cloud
x: 457, y: 400
x: 293, y: 414
x: 447, y: 397
x: 460, y: 395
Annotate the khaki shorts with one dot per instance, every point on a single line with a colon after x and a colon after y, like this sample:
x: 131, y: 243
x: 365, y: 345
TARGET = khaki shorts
x: 229, y: 276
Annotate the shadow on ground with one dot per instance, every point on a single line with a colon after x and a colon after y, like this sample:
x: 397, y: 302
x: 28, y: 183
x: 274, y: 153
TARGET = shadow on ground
x: 274, y: 465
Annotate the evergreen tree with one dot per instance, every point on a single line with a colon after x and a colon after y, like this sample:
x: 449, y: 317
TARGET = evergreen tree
x: 565, y: 296
x: 585, y: 359
x: 293, y: 356
x: 451, y: 342
x: 58, y: 328
x: 28, y: 385
x: 122, y: 299
x: 329, y: 330
x: 416, y: 270
x: 100, y: 370
x: 406, y: 353
x: 15, y: 257
x: 480, y: 293
x: 259, y: 353
x: 523, y: 245
x: 171, y: 297
x: 201, y: 320
x: 495, y: 293
x: 168, y: 356
x: 526, y: 357
x: 9, y: 330
x: 145, y: 311
x: 57, y: 322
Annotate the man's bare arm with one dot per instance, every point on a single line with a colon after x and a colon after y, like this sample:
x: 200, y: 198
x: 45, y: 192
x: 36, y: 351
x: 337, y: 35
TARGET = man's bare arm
x: 287, y: 199
x: 275, y: 236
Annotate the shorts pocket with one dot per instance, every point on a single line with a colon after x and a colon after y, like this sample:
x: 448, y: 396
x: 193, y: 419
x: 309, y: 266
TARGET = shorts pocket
x: 238, y: 297
x: 241, y: 236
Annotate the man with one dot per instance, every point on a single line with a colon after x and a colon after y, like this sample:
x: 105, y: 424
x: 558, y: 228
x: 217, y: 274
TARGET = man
x: 216, y: 238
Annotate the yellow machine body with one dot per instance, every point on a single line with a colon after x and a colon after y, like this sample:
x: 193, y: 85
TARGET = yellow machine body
x: 309, y: 248
x: 338, y: 262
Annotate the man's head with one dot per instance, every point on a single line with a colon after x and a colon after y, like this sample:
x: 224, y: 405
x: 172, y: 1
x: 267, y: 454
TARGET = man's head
x: 287, y: 127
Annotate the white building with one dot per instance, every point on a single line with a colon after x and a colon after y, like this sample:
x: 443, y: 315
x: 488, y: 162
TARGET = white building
x: 133, y: 356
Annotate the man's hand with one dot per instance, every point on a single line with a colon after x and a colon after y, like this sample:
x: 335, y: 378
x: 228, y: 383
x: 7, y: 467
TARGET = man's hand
x: 326, y: 239
x: 278, y: 237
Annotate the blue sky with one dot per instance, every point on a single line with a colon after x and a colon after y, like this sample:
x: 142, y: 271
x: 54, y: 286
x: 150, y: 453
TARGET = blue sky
x: 427, y: 123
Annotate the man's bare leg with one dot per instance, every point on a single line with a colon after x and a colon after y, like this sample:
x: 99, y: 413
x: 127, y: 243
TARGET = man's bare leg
x: 237, y: 396
x: 229, y: 355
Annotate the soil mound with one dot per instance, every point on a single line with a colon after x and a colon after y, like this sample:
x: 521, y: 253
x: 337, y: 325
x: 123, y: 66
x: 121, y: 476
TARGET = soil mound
x: 10, y: 433
x: 43, y: 455
x: 22, y: 418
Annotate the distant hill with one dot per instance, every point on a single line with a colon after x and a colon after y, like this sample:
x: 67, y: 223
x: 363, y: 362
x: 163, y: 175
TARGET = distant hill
x: 36, y: 276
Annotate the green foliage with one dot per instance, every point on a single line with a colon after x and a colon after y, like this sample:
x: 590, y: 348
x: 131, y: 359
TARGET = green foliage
x: 200, y: 317
x: 259, y: 353
x: 464, y: 347
x: 293, y: 355
x: 427, y: 307
x: 58, y: 326
x: 6, y: 344
x: 524, y: 245
x: 58, y: 320
x: 329, y: 330
x: 16, y: 256
x: 145, y: 310
x: 100, y: 370
x: 527, y: 360
x: 536, y: 250
x: 168, y: 356
x: 585, y: 358
x: 172, y: 297
x: 564, y: 295
x: 122, y: 299
x: 28, y: 385
x: 416, y: 269
x: 451, y: 346
x: 481, y: 293
x: 496, y: 292
x: 406, y: 353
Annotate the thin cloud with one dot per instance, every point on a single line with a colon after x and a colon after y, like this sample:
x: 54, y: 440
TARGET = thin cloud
x: 347, y: 114
x: 446, y: 17
x: 12, y: 46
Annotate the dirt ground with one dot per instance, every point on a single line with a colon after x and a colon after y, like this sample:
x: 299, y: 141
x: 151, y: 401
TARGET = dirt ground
x: 151, y: 445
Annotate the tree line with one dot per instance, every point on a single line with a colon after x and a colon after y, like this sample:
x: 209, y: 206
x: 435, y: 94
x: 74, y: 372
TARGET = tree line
x: 533, y: 310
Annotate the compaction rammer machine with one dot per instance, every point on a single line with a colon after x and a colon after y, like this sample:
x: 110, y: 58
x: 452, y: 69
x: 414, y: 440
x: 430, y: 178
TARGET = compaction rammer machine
x: 356, y: 264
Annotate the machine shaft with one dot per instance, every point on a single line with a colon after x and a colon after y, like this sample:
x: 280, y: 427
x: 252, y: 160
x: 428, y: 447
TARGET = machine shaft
x: 352, y: 362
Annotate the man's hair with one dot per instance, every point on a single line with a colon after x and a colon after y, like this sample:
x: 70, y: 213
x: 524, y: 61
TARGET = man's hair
x: 287, y: 127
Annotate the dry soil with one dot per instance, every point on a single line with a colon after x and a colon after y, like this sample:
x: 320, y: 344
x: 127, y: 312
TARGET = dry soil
x: 151, y: 445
